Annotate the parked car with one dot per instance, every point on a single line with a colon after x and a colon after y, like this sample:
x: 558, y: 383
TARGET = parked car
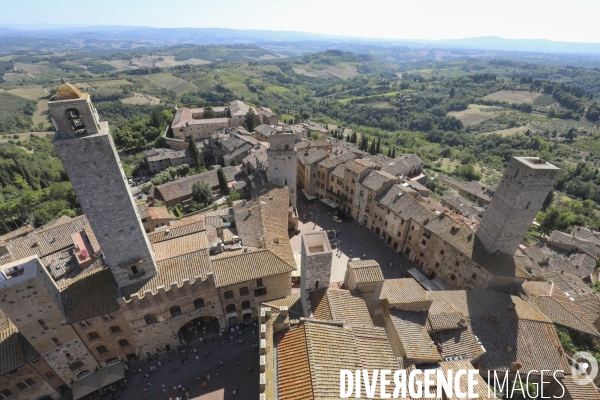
x: 343, y: 216
x: 337, y: 219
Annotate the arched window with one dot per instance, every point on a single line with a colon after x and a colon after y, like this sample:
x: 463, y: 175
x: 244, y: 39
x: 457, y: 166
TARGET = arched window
x: 228, y: 294
x: 114, y: 329
x: 150, y: 319
x: 6, y: 393
x: 230, y: 308
x: 198, y: 303
x: 76, y: 122
x: 244, y: 291
x: 101, y: 349
x: 29, y: 382
x: 175, y: 311
x: 22, y: 385
x: 93, y: 335
x: 76, y: 365
x: 245, y: 305
x: 123, y: 342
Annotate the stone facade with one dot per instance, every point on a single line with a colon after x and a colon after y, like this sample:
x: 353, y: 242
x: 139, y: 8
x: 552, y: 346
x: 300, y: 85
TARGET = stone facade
x: 26, y: 383
x: 33, y: 303
x: 517, y: 200
x: 92, y: 163
x: 315, y: 273
x: 282, y: 163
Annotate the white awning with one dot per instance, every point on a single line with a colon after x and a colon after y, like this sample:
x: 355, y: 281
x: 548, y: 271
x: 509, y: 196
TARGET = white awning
x: 419, y: 277
x: 97, y: 380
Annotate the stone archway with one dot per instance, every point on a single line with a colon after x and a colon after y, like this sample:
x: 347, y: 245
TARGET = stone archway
x: 198, y: 327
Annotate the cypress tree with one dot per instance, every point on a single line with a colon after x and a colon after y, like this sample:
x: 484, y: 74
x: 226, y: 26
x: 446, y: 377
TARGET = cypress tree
x: 222, y: 182
x: 194, y: 153
x: 378, y: 148
x: 394, y: 152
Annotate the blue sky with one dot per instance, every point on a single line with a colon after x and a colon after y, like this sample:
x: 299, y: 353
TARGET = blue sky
x: 563, y: 20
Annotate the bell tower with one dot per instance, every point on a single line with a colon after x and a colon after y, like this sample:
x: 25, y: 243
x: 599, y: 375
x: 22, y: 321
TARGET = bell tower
x: 282, y: 157
x: 89, y: 156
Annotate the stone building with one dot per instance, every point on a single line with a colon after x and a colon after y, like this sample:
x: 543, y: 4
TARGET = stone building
x: 160, y: 159
x: 61, y: 324
x: 90, y: 158
x: 153, y: 217
x: 307, y: 168
x: 282, y: 163
x: 315, y: 271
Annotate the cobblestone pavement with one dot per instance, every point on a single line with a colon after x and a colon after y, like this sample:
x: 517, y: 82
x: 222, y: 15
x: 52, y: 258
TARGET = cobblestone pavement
x: 355, y: 238
x: 227, y: 366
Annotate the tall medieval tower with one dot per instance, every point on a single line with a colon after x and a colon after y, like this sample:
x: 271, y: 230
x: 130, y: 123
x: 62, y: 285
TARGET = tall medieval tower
x: 90, y: 158
x: 517, y: 200
x: 282, y: 157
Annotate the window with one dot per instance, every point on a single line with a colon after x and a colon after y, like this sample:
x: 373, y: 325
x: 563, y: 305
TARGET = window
x: 361, y: 192
x: 456, y: 263
x: 409, y: 238
x: 150, y: 319
x: 101, y: 349
x: 421, y: 254
x: 228, y: 294
x: 76, y: 365
x: 175, y: 311
x: 134, y: 270
x: 528, y: 204
x: 442, y: 252
x: 29, y: 382
x: 49, y: 374
x: 474, y: 276
x: 351, y: 191
x: 6, y: 393
x: 198, y: 303
x: 123, y: 343
x: 93, y: 336
x: 244, y: 291
x: 260, y: 292
x: 114, y: 329
x: 332, y: 179
x: 230, y: 308
x: 259, y: 282
x: 385, y: 223
x: 56, y: 341
x: 437, y: 264
x: 42, y: 324
x: 76, y: 122
x: 22, y: 386
x: 401, y: 222
x: 352, y: 180
x: 412, y: 228
x: 367, y: 209
x: 245, y: 305
x: 107, y: 317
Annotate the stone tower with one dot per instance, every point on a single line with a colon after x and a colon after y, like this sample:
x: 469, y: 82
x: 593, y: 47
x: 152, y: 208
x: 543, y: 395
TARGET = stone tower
x: 32, y: 301
x: 282, y: 157
x: 315, y: 269
x: 90, y: 158
x: 517, y: 200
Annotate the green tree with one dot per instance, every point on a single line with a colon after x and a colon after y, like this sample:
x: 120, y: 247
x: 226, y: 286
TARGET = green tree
x: 452, y: 92
x: 251, y: 121
x: 222, y: 182
x: 570, y: 135
x: 233, y: 162
x: 183, y: 170
x: 202, y: 193
x: 208, y: 111
x: 378, y: 148
x: 231, y: 197
x: 548, y: 200
x: 194, y: 153
x: 394, y: 152
x: 146, y: 188
x: 468, y: 172
x: 548, y: 220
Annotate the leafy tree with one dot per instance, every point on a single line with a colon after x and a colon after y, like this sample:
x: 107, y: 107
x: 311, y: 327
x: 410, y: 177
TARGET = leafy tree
x: 222, y: 181
x: 183, y: 170
x: 194, y: 153
x: 202, y: 193
x: 548, y: 220
x: 452, y: 92
x: 571, y: 134
x: 233, y: 162
x: 146, y: 188
x: 394, y: 152
x: 251, y: 120
x: 378, y: 148
x: 208, y: 111
x: 468, y: 172
x: 548, y: 200
x: 231, y: 197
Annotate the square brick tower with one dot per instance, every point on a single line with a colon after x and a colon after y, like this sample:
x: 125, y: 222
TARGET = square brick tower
x: 90, y: 158
x: 517, y: 200
x: 315, y: 268
x: 282, y: 157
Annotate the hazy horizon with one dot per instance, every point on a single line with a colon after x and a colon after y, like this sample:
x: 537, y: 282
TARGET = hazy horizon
x: 566, y: 21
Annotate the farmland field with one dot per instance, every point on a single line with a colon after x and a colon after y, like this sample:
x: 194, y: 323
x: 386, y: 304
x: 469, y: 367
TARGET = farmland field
x: 40, y: 114
x: 29, y: 94
x: 513, y: 97
x: 169, y: 61
x: 474, y: 115
x: 170, y: 82
x: 345, y: 72
x: 139, y: 98
x: 13, y: 77
x: 111, y: 83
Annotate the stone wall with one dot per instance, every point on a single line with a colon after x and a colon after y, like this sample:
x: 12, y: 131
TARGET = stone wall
x: 282, y: 163
x: 316, y: 267
x: 101, y: 186
x: 25, y: 383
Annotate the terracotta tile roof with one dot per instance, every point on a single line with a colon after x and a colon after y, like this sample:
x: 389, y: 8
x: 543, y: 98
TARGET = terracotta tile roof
x: 263, y: 223
x: 574, y: 243
x: 333, y: 162
x: 15, y: 350
x: 340, y: 305
x: 180, y: 245
x: 238, y: 107
x: 338, y: 172
x: 461, y: 204
x: 90, y: 294
x: 577, y: 391
x: 586, y: 234
x: 535, y: 254
x: 366, y: 271
x: 248, y: 266
x: 182, y: 228
x: 25, y: 229
x: 48, y: 239
x: 414, y: 338
x: 357, y: 166
x: 480, y: 389
x: 313, y: 156
x: 4, y: 321
x: 207, y: 121
x: 293, y: 368
x: 583, y: 262
x: 377, y: 179
x: 458, y: 342
x: 292, y: 302
x: 142, y: 209
x: 159, y: 212
x: 181, y: 188
x: 566, y: 265
x: 406, y: 290
x: 190, y: 266
x: 402, y: 165
x: 568, y: 283
x: 60, y: 264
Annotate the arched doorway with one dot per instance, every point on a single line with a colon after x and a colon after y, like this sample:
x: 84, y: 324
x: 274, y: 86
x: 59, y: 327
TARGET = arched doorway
x: 377, y: 231
x: 200, y: 327
x: 389, y: 240
x: 232, y: 321
x: 395, y: 246
x: 407, y: 252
